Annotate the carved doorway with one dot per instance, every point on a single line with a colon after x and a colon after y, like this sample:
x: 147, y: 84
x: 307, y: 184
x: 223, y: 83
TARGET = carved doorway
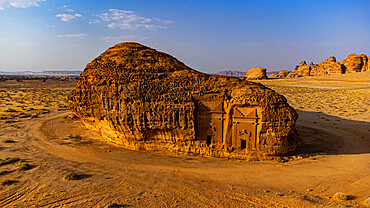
x: 245, y: 122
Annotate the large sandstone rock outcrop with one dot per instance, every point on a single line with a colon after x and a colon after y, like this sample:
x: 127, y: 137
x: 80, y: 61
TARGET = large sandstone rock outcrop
x: 273, y: 76
x: 140, y: 98
x: 283, y: 73
x: 328, y: 67
x: 302, y: 70
x: 292, y: 75
x: 256, y: 73
x: 355, y: 63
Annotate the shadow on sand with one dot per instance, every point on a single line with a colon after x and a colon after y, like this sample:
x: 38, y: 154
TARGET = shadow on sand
x: 320, y: 133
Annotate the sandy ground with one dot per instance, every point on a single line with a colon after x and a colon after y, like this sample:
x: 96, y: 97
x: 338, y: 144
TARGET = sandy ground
x: 333, y: 156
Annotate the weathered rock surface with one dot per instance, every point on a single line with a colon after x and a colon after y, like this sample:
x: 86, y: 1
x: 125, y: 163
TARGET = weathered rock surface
x: 273, y: 76
x: 292, y: 75
x: 140, y: 98
x: 328, y: 67
x: 355, y: 63
x: 283, y: 73
x: 256, y: 73
x: 302, y: 70
x: 315, y: 70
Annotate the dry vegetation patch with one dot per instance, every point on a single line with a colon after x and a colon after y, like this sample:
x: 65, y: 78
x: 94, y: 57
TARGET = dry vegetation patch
x: 346, y: 96
x: 8, y: 182
x: 22, y: 98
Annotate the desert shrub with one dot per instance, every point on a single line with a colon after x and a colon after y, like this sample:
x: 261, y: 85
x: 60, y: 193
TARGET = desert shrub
x: 75, y: 137
x: 9, y: 160
x: 9, y: 121
x: 25, y: 116
x: 112, y: 205
x: 340, y: 196
x: 10, y: 110
x: 4, y: 172
x: 71, y: 177
x: 280, y: 159
x: 8, y: 182
x: 24, y: 166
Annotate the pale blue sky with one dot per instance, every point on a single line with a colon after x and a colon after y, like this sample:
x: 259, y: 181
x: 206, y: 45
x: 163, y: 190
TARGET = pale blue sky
x: 209, y: 36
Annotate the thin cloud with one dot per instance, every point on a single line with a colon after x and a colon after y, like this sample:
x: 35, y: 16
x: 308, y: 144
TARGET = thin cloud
x: 68, y: 17
x: 27, y: 44
x: 94, y: 21
x: 124, y: 38
x: 72, y: 36
x: 67, y: 8
x: 19, y: 3
x: 129, y: 20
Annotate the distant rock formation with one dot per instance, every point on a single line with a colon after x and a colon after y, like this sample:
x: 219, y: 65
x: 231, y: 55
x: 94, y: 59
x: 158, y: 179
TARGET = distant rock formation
x: 302, y: 70
x: 256, y: 74
x: 328, y: 67
x: 140, y: 98
x: 273, y: 76
x: 232, y: 73
x: 283, y: 73
x: 272, y: 72
x: 353, y: 63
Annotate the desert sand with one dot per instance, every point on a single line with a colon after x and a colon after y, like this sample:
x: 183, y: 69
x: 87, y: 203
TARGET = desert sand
x: 54, y: 161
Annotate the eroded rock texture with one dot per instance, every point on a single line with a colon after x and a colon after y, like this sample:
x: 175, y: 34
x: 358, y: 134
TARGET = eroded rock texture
x: 302, y: 70
x: 256, y: 73
x: 140, y: 98
x: 273, y: 76
x: 328, y: 67
x: 355, y: 63
x: 283, y: 73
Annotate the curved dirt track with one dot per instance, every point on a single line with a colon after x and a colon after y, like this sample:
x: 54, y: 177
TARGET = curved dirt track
x: 110, y: 174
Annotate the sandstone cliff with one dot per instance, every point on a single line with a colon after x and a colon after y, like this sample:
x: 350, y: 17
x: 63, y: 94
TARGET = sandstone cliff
x: 140, y: 98
x: 256, y: 73
x: 353, y: 63
x: 283, y: 73
x: 273, y: 76
x: 328, y: 67
x: 302, y: 70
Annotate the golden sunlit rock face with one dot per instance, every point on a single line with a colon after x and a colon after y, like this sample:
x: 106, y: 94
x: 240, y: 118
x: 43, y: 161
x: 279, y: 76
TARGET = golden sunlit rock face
x: 140, y: 98
x: 330, y: 66
x: 256, y: 73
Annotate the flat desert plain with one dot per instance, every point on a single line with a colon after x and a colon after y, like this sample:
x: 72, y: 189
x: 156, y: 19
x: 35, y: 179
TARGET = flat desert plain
x: 49, y: 159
